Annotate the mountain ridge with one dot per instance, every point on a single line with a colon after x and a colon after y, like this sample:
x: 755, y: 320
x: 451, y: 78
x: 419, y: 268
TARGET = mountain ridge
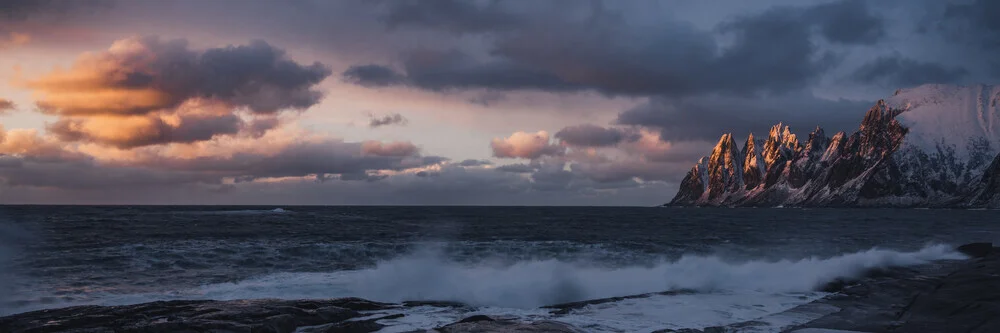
x: 928, y: 146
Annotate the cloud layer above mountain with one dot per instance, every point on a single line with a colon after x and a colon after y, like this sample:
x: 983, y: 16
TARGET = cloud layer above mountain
x: 446, y: 101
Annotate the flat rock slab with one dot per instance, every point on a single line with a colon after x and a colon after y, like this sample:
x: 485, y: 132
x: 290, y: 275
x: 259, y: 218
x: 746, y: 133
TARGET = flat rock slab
x: 945, y: 297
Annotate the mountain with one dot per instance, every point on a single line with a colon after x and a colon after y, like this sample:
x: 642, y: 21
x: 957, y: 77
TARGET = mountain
x: 929, y: 146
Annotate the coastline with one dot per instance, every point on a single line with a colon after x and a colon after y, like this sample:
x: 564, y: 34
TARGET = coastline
x: 945, y: 296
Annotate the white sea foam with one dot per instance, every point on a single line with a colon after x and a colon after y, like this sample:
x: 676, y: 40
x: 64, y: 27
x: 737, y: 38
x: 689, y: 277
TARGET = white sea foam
x: 530, y: 284
x: 728, y: 291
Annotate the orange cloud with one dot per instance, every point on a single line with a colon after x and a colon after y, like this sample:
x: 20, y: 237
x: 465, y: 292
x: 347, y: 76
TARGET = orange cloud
x: 146, y: 91
x: 28, y: 143
x: 525, y: 145
x: 388, y: 149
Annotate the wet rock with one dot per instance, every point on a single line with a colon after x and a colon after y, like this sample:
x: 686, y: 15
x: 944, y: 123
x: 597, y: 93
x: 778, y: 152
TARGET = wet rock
x: 486, y: 324
x: 476, y: 318
x: 360, y: 326
x: 278, y: 316
x: 976, y: 250
x: 438, y: 304
x: 565, y: 308
x: 712, y: 329
x: 945, y: 296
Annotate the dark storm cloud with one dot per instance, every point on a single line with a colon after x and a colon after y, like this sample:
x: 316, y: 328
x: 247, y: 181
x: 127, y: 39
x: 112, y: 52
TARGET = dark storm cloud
x: 153, y: 74
x: 516, y: 168
x: 772, y: 51
x: 898, y: 71
x: 7, y: 105
x: 372, y: 76
x: 847, y: 22
x: 975, y: 22
x: 589, y: 135
x: 391, y: 119
x: 17, y: 10
x: 450, y: 15
x: 440, y: 70
x: 707, y: 117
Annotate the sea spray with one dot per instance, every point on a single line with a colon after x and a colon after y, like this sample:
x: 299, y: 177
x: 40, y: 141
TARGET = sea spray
x: 428, y: 275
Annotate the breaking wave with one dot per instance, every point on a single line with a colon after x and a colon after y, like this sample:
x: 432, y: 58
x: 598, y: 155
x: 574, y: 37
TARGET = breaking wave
x: 427, y: 275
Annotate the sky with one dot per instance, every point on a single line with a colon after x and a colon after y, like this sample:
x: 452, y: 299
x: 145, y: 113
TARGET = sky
x: 441, y: 102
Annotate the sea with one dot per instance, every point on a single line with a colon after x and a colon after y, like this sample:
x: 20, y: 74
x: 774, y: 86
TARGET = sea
x: 735, y: 265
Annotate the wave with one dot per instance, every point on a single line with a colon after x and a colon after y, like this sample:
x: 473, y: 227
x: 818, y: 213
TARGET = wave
x: 428, y: 275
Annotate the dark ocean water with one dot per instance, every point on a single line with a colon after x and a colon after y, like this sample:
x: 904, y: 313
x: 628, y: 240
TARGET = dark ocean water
x: 496, y: 257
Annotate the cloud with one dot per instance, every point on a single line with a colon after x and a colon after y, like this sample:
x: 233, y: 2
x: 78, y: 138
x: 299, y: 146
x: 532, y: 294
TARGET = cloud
x: 898, y: 71
x: 974, y: 22
x: 372, y: 76
x: 28, y: 145
x: 261, y: 125
x: 281, y: 165
x: 474, y: 163
x: 562, y: 51
x: 378, y: 148
x: 147, y: 74
x: 19, y: 10
x: 390, y: 119
x: 706, y: 117
x: 639, y: 156
x: 847, y: 22
x: 450, y: 15
x: 524, y: 145
x: 145, y: 130
x: 589, y: 135
x: 30, y: 159
x: 7, y: 105
x: 516, y: 168
x: 147, y: 91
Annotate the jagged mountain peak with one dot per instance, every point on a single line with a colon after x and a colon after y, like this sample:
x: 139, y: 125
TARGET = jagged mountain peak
x: 933, y: 145
x: 753, y: 163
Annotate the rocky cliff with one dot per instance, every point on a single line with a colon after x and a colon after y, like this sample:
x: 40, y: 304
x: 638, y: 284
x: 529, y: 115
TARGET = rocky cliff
x: 930, y: 146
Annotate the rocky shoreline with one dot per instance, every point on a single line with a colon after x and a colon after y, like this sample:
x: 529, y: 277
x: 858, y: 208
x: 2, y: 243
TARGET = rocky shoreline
x: 950, y: 296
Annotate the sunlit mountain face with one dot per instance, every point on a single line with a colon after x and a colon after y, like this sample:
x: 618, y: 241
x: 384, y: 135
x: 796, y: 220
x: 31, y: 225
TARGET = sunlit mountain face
x: 456, y: 102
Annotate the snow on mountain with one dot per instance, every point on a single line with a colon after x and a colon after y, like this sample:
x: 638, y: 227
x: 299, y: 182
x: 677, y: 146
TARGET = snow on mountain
x: 933, y: 145
x: 948, y: 116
